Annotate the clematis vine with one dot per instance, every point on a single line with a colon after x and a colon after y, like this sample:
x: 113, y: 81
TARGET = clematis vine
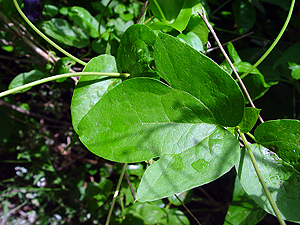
x: 32, y: 9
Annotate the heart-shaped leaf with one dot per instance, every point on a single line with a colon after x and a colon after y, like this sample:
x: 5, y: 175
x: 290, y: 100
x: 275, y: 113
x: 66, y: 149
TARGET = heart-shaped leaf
x: 143, y: 118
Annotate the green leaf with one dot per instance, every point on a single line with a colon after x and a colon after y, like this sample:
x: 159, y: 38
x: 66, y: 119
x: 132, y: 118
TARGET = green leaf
x: 249, y: 119
x: 185, y: 197
x: 63, y: 65
x: 281, y: 179
x: 243, y: 210
x: 84, y: 20
x: 90, y: 89
x: 255, y: 81
x: 136, y: 50
x: 244, y: 14
x: 25, y: 78
x: 184, y: 68
x: 143, y: 118
x: 150, y: 213
x: 50, y: 10
x: 192, y: 40
x: 292, y: 54
x: 233, y: 53
x: 282, y: 137
x: 198, y: 27
x: 195, y: 165
x: 174, y: 13
x: 96, y: 193
x: 62, y: 31
x: 295, y: 70
x: 176, y: 217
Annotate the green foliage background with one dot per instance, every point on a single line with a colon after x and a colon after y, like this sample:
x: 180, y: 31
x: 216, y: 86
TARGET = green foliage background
x: 49, y: 177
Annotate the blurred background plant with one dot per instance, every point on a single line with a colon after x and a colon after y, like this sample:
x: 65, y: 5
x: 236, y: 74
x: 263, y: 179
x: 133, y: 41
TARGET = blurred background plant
x: 48, y: 177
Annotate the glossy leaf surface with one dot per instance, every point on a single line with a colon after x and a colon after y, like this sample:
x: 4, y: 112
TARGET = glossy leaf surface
x: 282, y: 137
x: 25, y: 78
x: 84, y: 20
x: 195, y: 166
x: 143, y: 118
x: 280, y: 177
x: 63, y: 32
x: 136, y: 50
x: 201, y: 77
x: 90, y: 89
x: 174, y: 13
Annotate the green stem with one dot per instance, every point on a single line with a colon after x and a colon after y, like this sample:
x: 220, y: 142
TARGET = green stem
x: 29, y: 85
x: 261, y: 180
x: 45, y: 37
x: 274, y: 43
x: 116, y: 194
x: 159, y: 10
x: 102, y: 15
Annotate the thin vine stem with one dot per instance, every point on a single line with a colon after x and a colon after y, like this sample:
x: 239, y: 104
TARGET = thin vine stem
x: 187, y: 209
x: 116, y: 194
x: 288, y: 18
x: 203, y: 16
x: 261, y: 180
x: 45, y: 37
x: 66, y: 75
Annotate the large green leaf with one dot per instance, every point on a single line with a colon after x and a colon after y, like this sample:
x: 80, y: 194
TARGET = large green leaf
x: 62, y: 31
x: 143, y: 118
x: 186, y: 69
x: 243, y: 210
x: 282, y: 137
x: 173, y: 13
x: 195, y: 165
x: 281, y: 179
x: 90, y: 89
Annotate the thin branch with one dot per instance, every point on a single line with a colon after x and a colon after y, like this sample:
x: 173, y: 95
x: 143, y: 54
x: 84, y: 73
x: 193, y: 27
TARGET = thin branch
x: 130, y: 186
x: 203, y: 16
x: 186, y: 208
x: 233, y: 40
x: 142, y: 11
x: 116, y: 194
x: 28, y: 113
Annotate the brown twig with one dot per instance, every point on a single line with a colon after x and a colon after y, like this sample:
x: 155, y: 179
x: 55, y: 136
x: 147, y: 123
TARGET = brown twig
x: 203, y: 16
x: 28, y: 113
